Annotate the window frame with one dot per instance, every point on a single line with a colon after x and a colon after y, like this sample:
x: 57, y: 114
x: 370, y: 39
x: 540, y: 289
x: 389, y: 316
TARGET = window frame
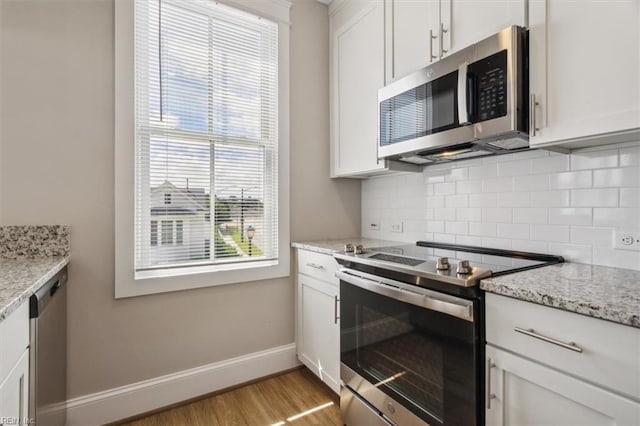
x: 128, y: 282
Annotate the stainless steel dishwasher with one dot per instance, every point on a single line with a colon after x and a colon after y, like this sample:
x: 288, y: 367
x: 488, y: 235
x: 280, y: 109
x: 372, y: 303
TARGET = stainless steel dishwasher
x: 48, y: 352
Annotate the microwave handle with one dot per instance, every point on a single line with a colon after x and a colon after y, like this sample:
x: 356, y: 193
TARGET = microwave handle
x: 463, y: 114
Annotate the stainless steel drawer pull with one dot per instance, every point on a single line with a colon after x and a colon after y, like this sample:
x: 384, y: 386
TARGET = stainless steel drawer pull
x: 532, y: 333
x: 336, y: 317
x: 315, y: 266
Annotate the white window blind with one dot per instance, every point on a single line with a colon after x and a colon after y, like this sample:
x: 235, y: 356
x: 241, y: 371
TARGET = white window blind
x: 206, y: 135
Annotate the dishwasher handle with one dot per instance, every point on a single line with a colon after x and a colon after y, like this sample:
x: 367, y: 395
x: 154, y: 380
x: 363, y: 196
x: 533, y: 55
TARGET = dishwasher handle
x: 41, y: 298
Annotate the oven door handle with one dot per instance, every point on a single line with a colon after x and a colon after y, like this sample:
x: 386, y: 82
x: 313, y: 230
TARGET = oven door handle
x: 423, y: 298
x: 463, y: 115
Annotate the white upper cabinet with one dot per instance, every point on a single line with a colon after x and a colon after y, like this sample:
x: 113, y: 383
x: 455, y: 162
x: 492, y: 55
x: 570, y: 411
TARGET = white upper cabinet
x: 420, y: 32
x: 584, y: 71
x: 357, y: 72
x: 412, y: 36
x: 466, y: 22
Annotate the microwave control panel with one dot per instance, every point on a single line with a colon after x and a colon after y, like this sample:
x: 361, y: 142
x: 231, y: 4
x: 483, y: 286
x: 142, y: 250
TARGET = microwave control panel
x: 489, y: 76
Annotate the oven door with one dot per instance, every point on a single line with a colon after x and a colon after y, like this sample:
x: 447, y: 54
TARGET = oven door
x: 412, y: 353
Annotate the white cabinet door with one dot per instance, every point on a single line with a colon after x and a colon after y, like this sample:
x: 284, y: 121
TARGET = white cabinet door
x: 14, y: 393
x: 467, y: 22
x: 357, y: 74
x: 411, y: 39
x: 584, y: 68
x: 528, y: 393
x: 318, y: 330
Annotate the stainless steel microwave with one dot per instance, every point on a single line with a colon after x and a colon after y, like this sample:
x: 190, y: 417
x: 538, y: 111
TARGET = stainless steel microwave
x: 469, y: 104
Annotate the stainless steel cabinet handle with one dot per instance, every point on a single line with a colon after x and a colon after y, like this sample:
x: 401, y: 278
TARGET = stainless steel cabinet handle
x: 315, y: 266
x: 490, y: 395
x: 335, y: 309
x: 442, y: 31
x: 532, y: 333
x: 533, y: 104
x: 431, y: 38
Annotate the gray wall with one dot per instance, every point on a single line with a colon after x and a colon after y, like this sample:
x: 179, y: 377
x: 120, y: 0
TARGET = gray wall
x: 57, y: 166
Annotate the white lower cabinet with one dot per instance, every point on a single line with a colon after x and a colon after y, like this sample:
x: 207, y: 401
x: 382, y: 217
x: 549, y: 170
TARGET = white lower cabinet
x: 318, y: 332
x: 546, y: 366
x: 527, y: 393
x: 14, y: 393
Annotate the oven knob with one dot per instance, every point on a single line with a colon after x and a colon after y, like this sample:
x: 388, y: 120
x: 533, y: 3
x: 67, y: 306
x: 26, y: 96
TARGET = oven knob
x: 348, y: 248
x: 442, y: 264
x: 359, y: 249
x: 463, y: 267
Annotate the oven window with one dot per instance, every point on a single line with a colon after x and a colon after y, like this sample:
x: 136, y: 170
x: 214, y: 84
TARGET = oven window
x: 424, y: 360
x: 423, y: 110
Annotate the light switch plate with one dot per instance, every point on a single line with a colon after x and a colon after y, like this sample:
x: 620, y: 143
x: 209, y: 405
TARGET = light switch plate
x: 396, y: 227
x: 373, y: 225
x: 626, y: 239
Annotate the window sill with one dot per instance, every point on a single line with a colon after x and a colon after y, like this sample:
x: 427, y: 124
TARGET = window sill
x: 142, y: 283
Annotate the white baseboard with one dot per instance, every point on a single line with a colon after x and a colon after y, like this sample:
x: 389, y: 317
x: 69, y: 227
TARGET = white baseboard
x: 140, y: 397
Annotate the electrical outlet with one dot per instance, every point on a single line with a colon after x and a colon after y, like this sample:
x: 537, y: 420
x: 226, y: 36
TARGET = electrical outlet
x: 626, y: 239
x: 374, y: 225
x: 396, y: 227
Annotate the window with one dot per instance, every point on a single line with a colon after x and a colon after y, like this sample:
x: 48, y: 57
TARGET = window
x: 202, y: 143
x: 154, y: 233
x: 179, y: 232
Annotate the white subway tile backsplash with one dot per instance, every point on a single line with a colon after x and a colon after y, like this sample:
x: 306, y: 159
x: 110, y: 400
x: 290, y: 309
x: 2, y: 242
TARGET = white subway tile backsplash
x: 570, y: 180
x: 497, y: 185
x: 533, y: 201
x: 493, y: 214
x: 556, y: 163
x: 444, y: 188
x: 531, y: 183
x: 591, y: 236
x: 570, y: 216
x: 514, y: 199
x: 627, y: 176
x: 594, y: 197
x: 471, y: 214
x: 514, y: 168
x: 457, y: 174
x: 551, y: 233
x: 461, y: 200
x: 444, y: 214
x: 629, y: 197
x: 617, y: 218
x: 469, y: 187
x: 461, y: 228
x: 560, y: 198
x: 571, y: 252
x: 514, y: 231
x: 483, y: 171
x: 483, y: 229
x: 483, y: 200
x: 630, y: 156
x: 530, y: 215
x: 616, y: 258
x: 594, y: 159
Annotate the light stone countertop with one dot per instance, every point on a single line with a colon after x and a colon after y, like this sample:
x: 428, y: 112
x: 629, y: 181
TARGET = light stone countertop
x: 332, y: 246
x: 597, y: 291
x: 20, y: 278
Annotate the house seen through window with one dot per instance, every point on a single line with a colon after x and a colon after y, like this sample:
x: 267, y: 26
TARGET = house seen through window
x: 206, y: 135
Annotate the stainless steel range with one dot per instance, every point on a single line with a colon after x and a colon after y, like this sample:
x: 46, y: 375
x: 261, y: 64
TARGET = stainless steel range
x: 412, y: 331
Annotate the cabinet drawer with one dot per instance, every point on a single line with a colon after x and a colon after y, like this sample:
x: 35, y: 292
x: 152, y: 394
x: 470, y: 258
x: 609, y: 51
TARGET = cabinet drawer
x: 610, y: 354
x: 14, y: 338
x: 318, y: 265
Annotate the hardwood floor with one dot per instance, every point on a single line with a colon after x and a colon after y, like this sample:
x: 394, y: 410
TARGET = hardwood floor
x: 294, y: 398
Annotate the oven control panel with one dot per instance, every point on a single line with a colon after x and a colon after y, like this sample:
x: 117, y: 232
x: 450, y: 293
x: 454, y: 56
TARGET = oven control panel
x: 489, y: 81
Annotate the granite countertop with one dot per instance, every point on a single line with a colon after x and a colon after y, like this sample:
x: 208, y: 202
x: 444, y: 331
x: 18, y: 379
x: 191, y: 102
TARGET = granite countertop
x: 20, y: 278
x: 331, y: 246
x: 597, y: 291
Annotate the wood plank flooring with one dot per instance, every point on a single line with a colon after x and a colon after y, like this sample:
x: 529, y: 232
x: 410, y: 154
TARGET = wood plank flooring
x: 294, y: 398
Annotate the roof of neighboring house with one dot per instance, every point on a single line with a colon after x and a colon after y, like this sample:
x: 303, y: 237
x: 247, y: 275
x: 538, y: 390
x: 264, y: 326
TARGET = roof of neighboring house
x: 198, y: 196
